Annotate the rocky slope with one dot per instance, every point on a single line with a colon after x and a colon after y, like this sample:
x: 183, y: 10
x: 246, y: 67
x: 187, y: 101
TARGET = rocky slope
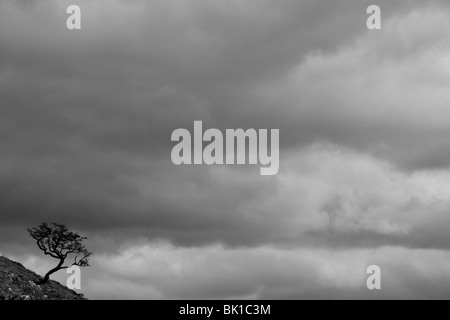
x: 17, y: 283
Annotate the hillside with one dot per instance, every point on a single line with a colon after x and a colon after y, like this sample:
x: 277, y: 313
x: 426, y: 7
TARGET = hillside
x: 17, y: 283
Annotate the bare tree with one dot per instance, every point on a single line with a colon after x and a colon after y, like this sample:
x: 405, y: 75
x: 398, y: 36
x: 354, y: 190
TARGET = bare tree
x: 58, y: 242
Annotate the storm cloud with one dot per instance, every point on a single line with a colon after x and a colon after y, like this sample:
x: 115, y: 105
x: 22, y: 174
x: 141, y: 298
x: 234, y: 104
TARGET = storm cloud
x: 85, y: 126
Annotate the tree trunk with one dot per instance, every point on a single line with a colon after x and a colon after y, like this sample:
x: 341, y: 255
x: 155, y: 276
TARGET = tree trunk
x: 47, y: 276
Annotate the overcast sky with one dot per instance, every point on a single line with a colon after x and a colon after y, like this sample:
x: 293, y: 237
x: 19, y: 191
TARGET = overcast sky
x: 364, y: 116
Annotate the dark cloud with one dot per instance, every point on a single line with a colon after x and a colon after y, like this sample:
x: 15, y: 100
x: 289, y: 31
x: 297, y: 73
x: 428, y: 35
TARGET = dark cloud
x: 86, y: 119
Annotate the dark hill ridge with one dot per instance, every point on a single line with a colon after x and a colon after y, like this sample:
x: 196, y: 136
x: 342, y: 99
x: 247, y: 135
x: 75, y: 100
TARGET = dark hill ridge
x: 17, y: 283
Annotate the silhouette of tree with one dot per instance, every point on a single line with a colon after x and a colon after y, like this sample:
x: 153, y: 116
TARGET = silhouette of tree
x: 59, y: 243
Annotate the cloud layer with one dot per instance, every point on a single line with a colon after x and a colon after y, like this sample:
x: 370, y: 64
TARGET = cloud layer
x: 86, y: 119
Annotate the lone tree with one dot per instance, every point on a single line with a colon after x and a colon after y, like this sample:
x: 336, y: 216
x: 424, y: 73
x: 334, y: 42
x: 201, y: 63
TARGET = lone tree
x: 58, y: 242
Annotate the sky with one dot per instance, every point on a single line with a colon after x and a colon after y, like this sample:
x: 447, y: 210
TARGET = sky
x: 85, y: 139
